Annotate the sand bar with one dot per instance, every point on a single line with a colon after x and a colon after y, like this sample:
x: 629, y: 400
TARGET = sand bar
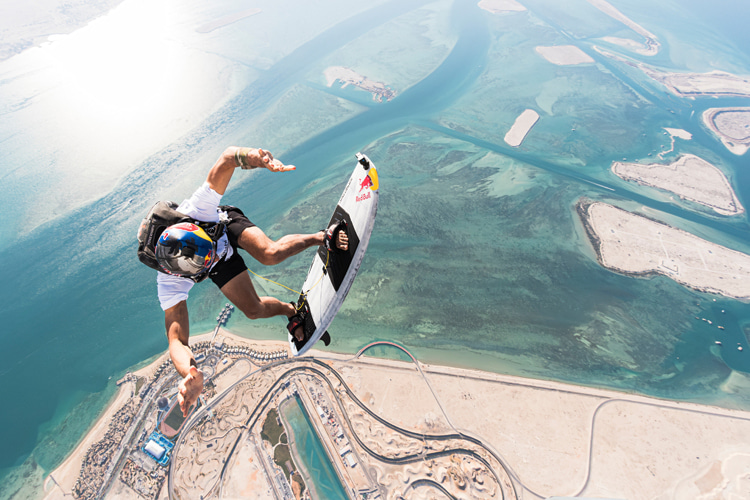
x: 631, y: 45
x: 689, y: 177
x: 731, y: 126
x: 501, y: 6
x: 635, y: 245
x: 564, y: 55
x: 521, y: 127
x: 649, y: 48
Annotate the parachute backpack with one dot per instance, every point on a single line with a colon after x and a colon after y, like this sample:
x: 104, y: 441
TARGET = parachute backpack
x: 162, y: 215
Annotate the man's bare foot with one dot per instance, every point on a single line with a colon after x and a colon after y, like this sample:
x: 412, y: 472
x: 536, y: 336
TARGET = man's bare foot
x: 189, y: 389
x: 299, y: 332
x: 342, y: 242
x: 342, y: 239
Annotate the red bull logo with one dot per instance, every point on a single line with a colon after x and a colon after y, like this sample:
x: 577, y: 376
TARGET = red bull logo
x: 366, y: 183
x: 370, y: 183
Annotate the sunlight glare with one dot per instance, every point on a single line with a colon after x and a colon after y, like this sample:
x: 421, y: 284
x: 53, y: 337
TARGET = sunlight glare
x: 119, y: 63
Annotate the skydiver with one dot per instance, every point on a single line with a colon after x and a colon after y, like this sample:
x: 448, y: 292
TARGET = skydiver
x: 186, y: 254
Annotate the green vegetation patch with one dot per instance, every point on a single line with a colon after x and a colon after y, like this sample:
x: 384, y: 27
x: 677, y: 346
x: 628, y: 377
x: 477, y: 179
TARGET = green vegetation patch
x: 283, y: 458
x: 139, y: 383
x: 272, y: 428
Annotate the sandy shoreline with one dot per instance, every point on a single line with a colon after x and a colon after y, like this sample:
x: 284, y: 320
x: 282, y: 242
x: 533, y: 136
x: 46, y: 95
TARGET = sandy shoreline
x: 60, y: 482
x: 690, y: 177
x: 635, y: 245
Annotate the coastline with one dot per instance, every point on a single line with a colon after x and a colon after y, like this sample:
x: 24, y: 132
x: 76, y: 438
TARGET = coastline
x: 396, y: 391
x: 60, y: 482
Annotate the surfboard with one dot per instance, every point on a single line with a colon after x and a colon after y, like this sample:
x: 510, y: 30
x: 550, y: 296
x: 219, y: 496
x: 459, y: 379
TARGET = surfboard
x: 332, y: 273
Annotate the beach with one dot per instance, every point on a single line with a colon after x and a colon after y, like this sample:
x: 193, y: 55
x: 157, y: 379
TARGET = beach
x: 689, y: 177
x: 614, y: 443
x: 635, y: 245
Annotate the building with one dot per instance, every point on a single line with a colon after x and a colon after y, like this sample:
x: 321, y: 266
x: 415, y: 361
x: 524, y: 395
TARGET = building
x: 158, y: 448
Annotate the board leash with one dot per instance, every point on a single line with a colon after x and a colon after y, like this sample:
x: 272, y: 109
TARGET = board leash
x: 302, y: 294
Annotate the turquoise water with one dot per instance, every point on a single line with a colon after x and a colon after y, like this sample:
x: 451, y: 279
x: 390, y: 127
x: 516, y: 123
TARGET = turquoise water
x: 477, y: 258
x: 310, y: 450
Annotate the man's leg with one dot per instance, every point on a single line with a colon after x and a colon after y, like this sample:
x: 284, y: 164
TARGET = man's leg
x: 268, y: 252
x: 241, y: 292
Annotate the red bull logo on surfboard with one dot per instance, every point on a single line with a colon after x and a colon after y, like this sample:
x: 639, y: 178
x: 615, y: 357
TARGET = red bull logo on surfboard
x: 369, y: 183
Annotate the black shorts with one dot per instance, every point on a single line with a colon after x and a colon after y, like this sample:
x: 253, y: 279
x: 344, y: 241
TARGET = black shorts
x: 225, y: 270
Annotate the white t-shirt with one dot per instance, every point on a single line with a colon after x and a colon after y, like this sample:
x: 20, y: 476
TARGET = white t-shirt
x: 203, y: 205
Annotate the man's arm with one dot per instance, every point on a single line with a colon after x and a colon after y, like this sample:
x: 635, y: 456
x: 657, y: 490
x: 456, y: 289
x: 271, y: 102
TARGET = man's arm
x: 178, y: 334
x: 233, y: 157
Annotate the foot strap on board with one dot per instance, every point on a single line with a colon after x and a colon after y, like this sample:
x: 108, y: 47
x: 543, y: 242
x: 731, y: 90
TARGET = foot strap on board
x: 332, y: 234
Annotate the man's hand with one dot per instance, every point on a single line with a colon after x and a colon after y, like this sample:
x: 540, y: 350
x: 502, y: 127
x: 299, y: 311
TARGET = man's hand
x: 260, y: 158
x: 189, y: 390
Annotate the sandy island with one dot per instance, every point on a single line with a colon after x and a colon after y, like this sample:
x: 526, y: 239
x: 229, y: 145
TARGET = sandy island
x: 564, y: 55
x: 599, y: 443
x: 674, y: 133
x: 501, y: 6
x: 635, y: 245
x: 689, y: 177
x: 731, y: 126
x: 521, y: 127
x: 348, y: 76
x: 714, y: 83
